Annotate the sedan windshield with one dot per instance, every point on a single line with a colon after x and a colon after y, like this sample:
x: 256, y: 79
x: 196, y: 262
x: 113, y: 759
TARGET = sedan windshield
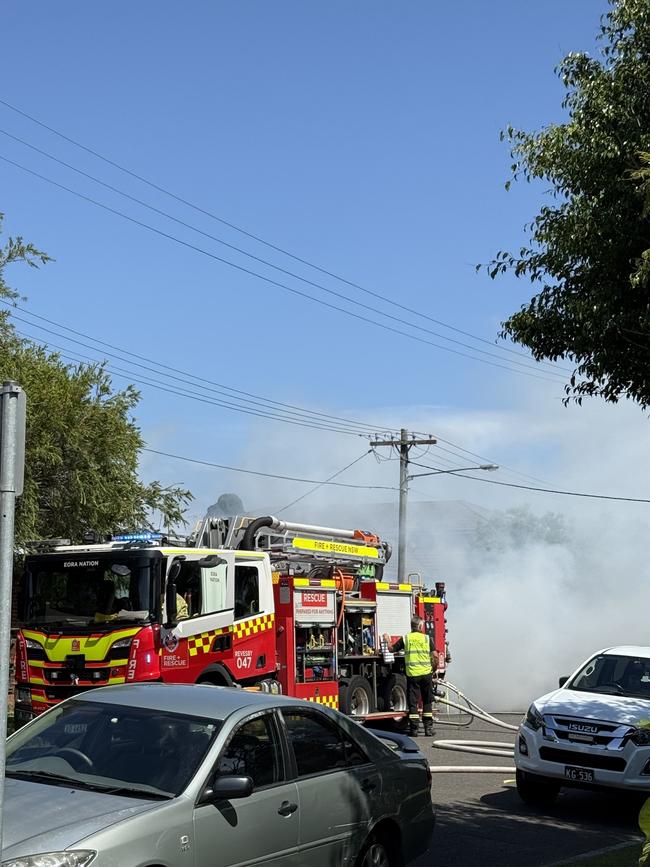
x: 77, y: 592
x: 112, y: 748
x: 610, y: 674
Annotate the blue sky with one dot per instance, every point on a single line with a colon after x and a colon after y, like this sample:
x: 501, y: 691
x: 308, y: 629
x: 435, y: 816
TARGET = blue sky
x: 361, y: 136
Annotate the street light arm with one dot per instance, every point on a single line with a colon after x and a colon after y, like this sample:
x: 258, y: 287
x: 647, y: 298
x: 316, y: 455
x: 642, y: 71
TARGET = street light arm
x: 488, y: 467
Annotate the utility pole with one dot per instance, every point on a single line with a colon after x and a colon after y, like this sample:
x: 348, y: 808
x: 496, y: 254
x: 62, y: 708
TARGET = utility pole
x: 12, y: 465
x: 404, y: 445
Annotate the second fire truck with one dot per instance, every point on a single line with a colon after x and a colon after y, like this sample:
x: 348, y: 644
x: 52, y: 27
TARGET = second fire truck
x: 251, y: 602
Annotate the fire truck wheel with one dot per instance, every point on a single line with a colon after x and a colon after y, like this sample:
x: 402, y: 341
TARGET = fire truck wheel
x: 393, y: 695
x: 355, y: 697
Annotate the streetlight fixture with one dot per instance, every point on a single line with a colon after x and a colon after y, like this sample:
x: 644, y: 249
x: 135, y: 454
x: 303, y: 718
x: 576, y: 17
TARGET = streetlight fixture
x: 488, y: 467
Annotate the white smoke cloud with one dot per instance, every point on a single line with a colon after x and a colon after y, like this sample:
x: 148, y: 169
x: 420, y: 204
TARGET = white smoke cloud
x: 522, y: 617
x: 518, y: 617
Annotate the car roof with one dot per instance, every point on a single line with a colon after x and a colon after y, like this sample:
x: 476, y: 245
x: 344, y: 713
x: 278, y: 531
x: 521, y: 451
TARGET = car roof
x: 204, y: 700
x: 628, y: 650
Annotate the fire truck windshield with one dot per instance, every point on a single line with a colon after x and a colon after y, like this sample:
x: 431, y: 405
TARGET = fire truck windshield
x: 97, y: 590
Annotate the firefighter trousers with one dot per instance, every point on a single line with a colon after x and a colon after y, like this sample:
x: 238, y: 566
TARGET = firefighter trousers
x: 420, y: 688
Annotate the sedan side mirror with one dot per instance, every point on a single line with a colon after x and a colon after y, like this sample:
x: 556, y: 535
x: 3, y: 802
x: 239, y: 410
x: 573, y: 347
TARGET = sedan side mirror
x: 228, y: 788
x: 562, y: 681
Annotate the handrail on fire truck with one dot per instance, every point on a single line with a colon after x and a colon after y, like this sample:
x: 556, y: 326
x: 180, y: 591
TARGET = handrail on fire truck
x: 289, y: 540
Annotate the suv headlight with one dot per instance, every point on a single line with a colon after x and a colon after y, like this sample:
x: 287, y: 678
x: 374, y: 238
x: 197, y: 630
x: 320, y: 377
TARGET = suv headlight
x: 533, y: 718
x: 641, y: 737
x: 73, y: 858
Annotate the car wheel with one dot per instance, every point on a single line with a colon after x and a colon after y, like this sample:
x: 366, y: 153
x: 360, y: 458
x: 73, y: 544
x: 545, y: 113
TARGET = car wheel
x: 375, y: 854
x: 355, y: 697
x: 394, y: 693
x: 536, y: 791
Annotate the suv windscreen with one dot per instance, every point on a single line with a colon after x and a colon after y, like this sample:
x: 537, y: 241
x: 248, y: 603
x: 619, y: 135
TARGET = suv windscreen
x: 610, y: 674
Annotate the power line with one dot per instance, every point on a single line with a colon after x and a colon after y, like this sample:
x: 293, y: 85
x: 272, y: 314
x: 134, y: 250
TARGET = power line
x: 323, y: 421
x: 366, y: 427
x: 250, y: 235
x: 532, y: 488
x: 329, y: 479
x: 317, y: 420
x: 527, y: 365
x: 485, y: 460
x: 293, y: 290
x: 268, y: 475
x: 132, y: 377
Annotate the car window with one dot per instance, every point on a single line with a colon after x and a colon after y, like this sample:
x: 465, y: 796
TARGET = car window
x: 254, y: 751
x: 615, y: 675
x: 188, y: 588
x: 319, y: 745
x: 107, y: 745
x: 247, y: 591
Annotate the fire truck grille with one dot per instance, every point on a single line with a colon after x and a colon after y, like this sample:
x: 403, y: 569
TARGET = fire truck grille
x: 63, y: 676
x: 59, y: 693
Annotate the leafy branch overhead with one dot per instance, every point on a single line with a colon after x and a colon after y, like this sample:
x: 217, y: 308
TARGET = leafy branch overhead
x: 588, y: 248
x: 82, y: 443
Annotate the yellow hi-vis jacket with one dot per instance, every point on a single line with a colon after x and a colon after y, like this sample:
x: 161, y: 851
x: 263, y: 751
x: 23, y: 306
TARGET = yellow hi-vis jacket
x: 417, y: 654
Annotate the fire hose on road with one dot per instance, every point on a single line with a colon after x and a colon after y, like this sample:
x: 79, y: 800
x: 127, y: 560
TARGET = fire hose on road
x: 500, y: 749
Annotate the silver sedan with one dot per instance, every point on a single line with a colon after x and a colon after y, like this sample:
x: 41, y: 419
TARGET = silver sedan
x: 162, y: 775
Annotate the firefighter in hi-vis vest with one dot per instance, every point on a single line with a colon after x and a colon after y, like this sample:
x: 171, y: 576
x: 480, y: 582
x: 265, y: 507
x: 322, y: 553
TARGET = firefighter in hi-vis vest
x: 421, y: 660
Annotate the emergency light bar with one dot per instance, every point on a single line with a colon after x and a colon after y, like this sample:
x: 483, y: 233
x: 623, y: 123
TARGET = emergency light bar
x: 137, y: 537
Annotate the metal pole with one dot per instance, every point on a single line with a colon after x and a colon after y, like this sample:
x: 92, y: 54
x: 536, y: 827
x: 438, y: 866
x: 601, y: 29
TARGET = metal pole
x: 10, y: 473
x: 405, y: 444
x: 403, y: 496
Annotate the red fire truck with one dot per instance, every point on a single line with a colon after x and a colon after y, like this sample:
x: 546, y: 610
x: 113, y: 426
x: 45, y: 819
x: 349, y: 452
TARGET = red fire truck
x: 251, y: 602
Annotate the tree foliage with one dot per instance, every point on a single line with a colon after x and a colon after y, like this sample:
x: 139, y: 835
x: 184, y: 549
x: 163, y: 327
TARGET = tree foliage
x: 589, y: 245
x: 82, y: 443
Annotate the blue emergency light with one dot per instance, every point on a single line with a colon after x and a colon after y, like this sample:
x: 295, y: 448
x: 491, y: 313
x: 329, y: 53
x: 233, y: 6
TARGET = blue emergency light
x: 138, y: 537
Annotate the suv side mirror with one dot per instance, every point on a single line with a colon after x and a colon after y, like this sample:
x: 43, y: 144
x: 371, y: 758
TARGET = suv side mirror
x: 562, y: 681
x: 228, y: 788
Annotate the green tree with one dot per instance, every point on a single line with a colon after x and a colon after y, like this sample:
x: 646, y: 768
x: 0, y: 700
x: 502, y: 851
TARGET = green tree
x: 588, y: 248
x: 82, y: 442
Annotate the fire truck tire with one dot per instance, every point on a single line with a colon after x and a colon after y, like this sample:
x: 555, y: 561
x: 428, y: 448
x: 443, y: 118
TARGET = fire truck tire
x: 393, y: 693
x: 355, y: 697
x: 216, y: 675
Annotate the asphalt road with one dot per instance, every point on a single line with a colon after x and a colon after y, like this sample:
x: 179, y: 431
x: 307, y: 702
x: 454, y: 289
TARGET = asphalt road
x: 481, y: 820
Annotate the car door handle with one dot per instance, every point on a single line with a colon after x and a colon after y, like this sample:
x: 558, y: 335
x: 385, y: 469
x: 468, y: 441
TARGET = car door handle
x: 287, y: 808
x: 368, y: 786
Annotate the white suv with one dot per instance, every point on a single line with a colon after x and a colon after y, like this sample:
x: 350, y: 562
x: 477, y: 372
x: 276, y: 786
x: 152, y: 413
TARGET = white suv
x: 592, y: 732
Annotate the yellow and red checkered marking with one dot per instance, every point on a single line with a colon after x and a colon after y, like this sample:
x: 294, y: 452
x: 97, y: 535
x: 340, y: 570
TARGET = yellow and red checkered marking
x: 328, y: 700
x: 203, y: 643
x: 252, y: 627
